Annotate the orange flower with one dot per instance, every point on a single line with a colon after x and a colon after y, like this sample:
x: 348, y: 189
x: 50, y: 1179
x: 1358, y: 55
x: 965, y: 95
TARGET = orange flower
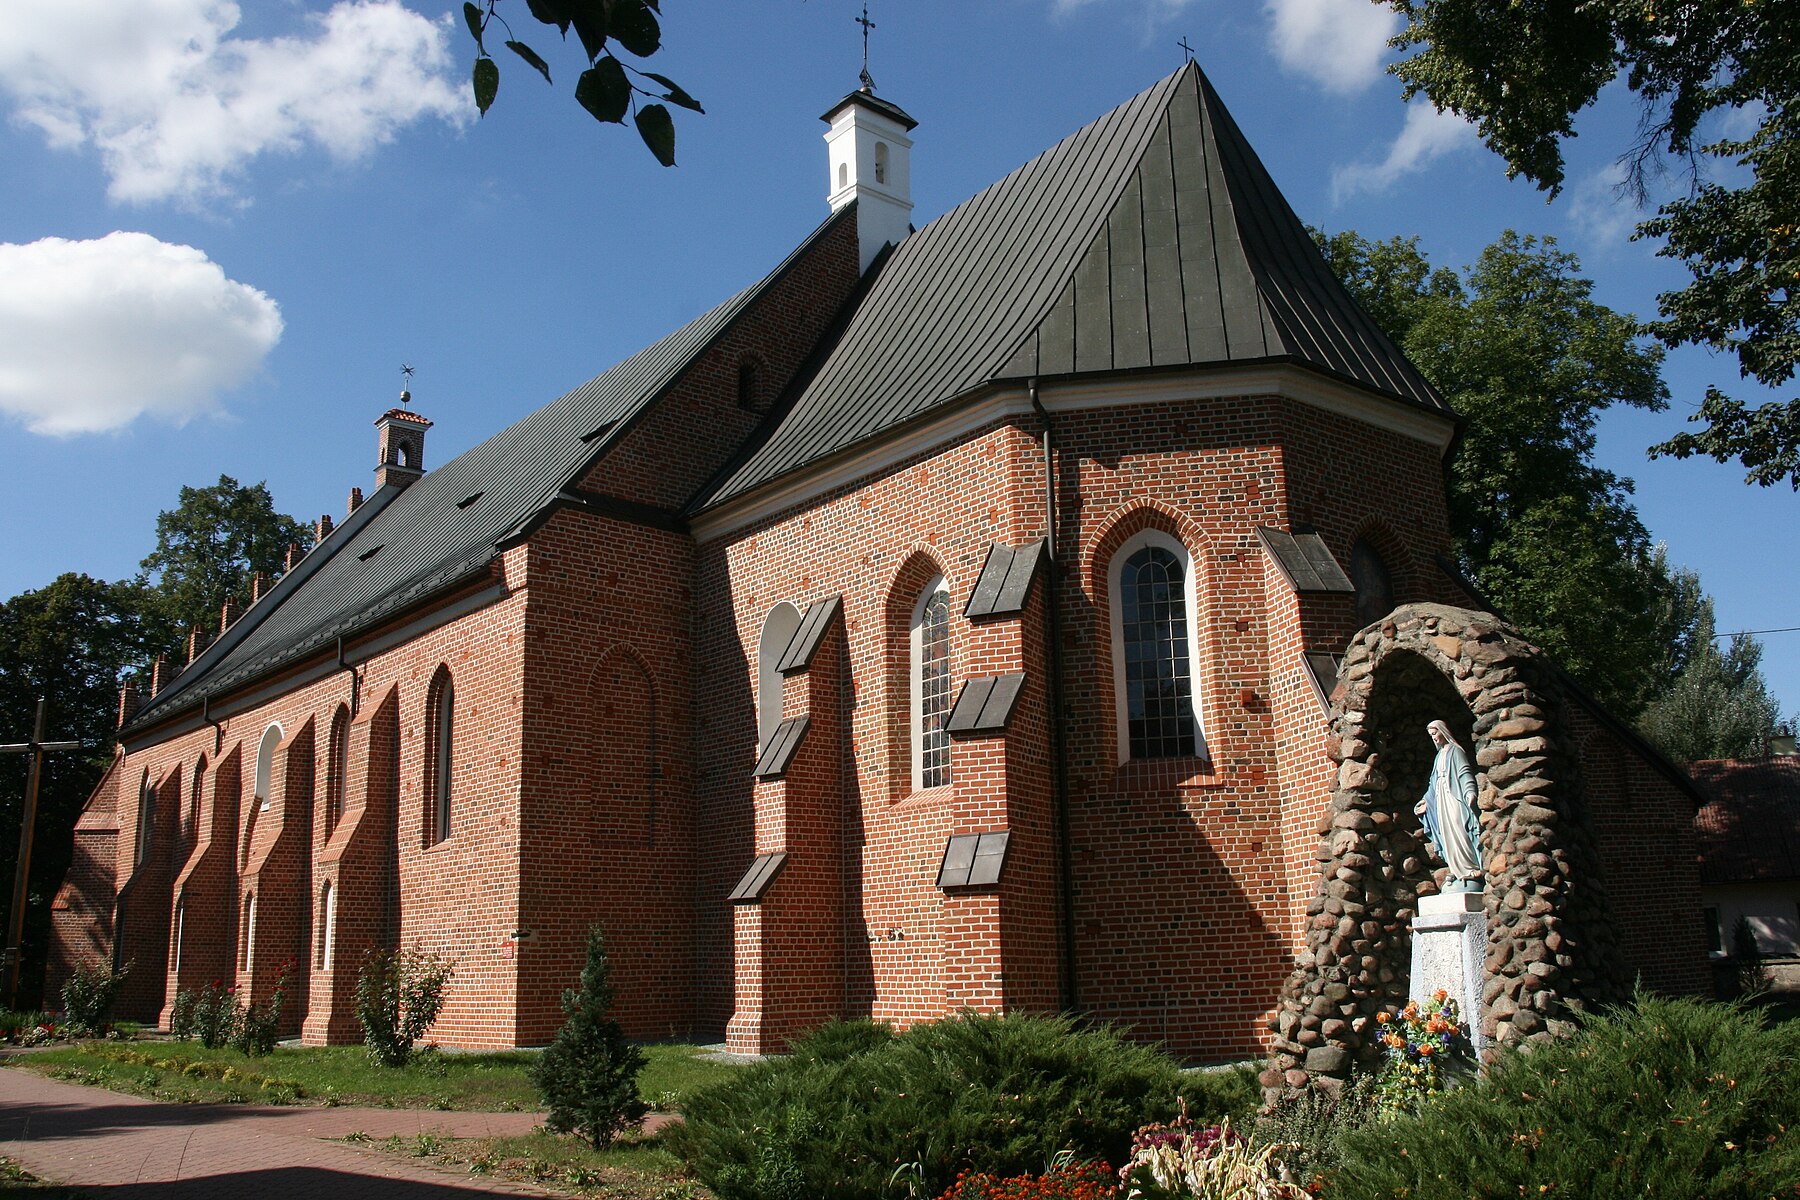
x: 1440, y: 995
x: 1425, y: 1050
x: 1381, y: 1018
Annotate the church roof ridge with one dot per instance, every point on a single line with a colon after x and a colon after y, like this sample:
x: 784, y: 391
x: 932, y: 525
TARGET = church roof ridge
x: 1150, y: 237
x: 424, y: 539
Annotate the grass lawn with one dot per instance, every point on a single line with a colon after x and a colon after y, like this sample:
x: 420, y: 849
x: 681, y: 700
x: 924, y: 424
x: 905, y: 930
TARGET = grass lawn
x: 631, y: 1169
x: 186, y: 1072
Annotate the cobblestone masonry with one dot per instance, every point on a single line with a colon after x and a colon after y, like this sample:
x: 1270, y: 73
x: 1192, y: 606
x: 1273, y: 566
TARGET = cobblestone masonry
x: 1551, y: 946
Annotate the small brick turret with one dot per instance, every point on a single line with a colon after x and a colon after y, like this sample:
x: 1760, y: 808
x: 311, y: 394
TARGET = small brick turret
x: 229, y: 612
x: 356, y: 499
x: 129, y: 703
x: 198, y: 641
x: 322, y: 529
x: 161, y: 673
x: 402, y: 445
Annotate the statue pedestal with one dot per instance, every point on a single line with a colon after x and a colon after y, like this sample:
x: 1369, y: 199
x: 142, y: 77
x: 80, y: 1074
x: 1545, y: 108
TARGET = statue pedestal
x: 1449, y: 951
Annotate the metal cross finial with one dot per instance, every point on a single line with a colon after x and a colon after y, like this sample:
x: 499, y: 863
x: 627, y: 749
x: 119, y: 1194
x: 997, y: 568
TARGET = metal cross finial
x: 406, y: 369
x: 868, y: 80
x: 1187, y: 49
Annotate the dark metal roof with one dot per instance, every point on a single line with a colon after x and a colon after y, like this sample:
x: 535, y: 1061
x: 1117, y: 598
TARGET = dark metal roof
x: 1749, y: 828
x: 1005, y: 581
x: 763, y: 870
x: 449, y: 524
x: 1152, y: 237
x: 811, y: 634
x: 973, y: 859
x: 783, y: 744
x: 985, y: 705
x: 1322, y: 671
x: 1305, y: 560
x: 873, y: 103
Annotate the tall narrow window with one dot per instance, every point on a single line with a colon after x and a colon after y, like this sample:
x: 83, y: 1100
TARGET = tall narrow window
x: 193, y: 808
x: 249, y: 930
x: 265, y: 764
x: 337, y: 768
x: 931, y: 686
x: 440, y: 761
x: 146, y: 822
x: 881, y: 162
x: 1374, y: 585
x: 327, y: 923
x: 180, y: 928
x: 1153, y: 649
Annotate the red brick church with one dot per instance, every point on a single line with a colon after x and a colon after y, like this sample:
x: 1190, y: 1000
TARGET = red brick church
x: 945, y: 620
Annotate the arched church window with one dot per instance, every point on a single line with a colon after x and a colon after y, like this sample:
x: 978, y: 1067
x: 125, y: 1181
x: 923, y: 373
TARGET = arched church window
x: 931, y: 686
x: 265, y: 763
x: 440, y: 716
x: 249, y: 931
x: 337, y: 767
x: 778, y: 630
x: 193, y: 805
x: 146, y: 819
x: 1155, y: 660
x: 180, y: 927
x: 327, y: 923
x: 1374, y: 585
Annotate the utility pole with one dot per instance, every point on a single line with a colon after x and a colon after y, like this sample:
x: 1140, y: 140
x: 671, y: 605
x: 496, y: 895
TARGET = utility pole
x: 37, y: 747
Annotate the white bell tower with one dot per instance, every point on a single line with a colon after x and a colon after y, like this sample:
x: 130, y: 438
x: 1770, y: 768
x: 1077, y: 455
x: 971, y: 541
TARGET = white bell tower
x: 870, y: 158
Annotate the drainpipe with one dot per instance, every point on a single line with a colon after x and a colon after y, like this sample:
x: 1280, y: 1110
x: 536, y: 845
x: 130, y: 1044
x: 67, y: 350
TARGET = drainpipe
x: 1065, y: 857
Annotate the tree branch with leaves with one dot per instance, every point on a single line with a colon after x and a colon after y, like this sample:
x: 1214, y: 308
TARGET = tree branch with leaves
x: 610, y: 88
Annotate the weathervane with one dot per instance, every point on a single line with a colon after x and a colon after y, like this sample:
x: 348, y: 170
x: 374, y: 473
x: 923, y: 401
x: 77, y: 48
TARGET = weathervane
x: 1187, y: 49
x: 868, y: 80
x: 406, y: 370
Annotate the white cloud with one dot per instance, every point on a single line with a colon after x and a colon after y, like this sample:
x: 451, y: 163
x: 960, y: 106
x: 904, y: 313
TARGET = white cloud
x: 1428, y: 134
x: 1602, y: 210
x: 178, y: 108
x: 1339, y: 44
x: 95, y: 334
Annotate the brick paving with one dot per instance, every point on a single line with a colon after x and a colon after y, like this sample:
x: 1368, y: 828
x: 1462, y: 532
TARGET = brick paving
x: 108, y: 1144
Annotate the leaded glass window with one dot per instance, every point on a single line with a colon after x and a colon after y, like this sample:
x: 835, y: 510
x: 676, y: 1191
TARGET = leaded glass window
x: 1158, y: 672
x: 443, y: 724
x: 931, y: 686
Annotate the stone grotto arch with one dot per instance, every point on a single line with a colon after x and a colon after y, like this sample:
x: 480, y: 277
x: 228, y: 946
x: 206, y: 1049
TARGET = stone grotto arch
x: 1551, y: 948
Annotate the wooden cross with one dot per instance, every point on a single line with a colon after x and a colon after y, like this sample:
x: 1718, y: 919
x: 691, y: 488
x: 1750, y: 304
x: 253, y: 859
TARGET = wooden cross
x: 37, y: 747
x: 1187, y: 49
x: 868, y: 81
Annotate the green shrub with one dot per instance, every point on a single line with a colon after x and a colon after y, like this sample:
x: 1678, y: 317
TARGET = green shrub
x: 1309, y: 1129
x: 211, y: 1014
x: 258, y: 1024
x: 1660, y: 1100
x: 994, y: 1095
x: 88, y: 995
x: 184, y: 1015
x: 398, y: 996
x: 588, y: 1075
x: 1751, y: 975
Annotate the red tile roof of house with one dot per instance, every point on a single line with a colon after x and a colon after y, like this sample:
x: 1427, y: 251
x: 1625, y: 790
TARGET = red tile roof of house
x: 1749, y: 828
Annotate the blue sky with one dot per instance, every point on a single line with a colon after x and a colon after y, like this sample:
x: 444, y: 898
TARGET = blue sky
x: 226, y: 226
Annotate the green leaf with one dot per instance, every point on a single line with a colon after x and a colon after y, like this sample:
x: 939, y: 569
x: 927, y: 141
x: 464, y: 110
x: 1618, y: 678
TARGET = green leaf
x: 472, y: 15
x: 604, y: 91
x: 550, y: 12
x: 634, y: 26
x: 487, y: 83
x: 531, y: 56
x: 675, y: 94
x: 589, y: 17
x: 658, y: 131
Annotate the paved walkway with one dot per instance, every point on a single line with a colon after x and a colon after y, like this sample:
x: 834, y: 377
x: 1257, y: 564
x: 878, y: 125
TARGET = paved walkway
x: 109, y: 1144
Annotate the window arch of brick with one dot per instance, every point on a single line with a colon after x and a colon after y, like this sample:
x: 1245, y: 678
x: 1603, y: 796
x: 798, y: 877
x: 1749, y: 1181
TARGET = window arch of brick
x: 1377, y: 565
x: 625, y: 776
x: 440, y: 755
x: 1187, y: 649
x: 337, y: 767
x: 778, y: 630
x: 910, y: 628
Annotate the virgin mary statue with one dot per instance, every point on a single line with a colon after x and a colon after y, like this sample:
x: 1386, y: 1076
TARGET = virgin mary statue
x: 1448, y: 812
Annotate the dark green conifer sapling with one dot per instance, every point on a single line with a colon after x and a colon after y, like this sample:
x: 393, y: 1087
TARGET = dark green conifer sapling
x: 588, y: 1076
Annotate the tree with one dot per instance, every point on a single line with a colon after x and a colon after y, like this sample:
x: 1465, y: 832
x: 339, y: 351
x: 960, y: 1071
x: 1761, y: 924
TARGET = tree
x: 71, y: 643
x: 1523, y: 352
x: 1717, y: 704
x: 1522, y: 72
x: 607, y: 88
x: 588, y: 1076
x: 210, y: 544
